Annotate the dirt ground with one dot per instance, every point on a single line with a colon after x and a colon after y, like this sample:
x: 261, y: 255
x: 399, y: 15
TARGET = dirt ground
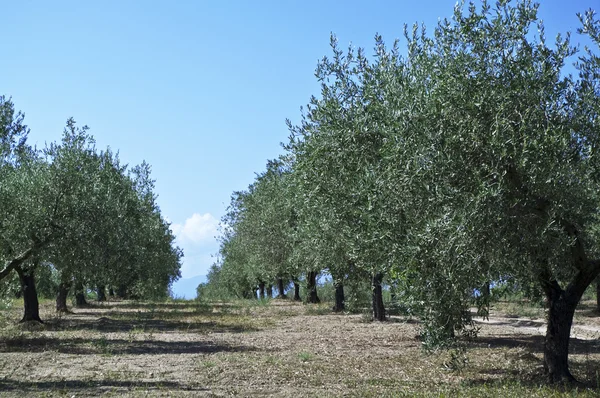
x: 281, y: 349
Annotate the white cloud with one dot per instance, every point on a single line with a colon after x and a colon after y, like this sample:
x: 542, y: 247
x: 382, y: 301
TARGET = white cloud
x: 199, y: 228
x: 196, y: 236
x: 195, y: 265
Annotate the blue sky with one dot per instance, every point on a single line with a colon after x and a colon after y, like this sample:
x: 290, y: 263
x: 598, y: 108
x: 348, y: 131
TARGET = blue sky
x: 198, y: 89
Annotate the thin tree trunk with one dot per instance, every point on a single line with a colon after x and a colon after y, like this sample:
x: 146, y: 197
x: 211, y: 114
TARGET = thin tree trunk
x: 378, y: 308
x: 270, y: 291
x: 297, y: 291
x: 486, y: 291
x: 261, y: 290
x: 281, y: 289
x: 311, y: 288
x: 122, y: 291
x: 340, y: 304
x: 61, y: 296
x: 79, y: 295
x: 31, y: 306
x: 111, y: 292
x: 101, y: 290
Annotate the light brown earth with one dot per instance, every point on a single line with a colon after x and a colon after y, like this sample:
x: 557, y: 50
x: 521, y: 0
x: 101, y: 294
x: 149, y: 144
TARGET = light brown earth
x: 281, y: 349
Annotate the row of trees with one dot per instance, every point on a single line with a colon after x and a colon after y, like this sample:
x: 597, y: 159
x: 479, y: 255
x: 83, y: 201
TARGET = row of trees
x: 473, y: 157
x: 79, y: 215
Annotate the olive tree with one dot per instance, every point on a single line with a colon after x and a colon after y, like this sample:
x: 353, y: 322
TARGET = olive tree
x: 503, y: 145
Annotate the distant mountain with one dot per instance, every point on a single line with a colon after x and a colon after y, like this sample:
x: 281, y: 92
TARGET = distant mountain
x: 186, y: 288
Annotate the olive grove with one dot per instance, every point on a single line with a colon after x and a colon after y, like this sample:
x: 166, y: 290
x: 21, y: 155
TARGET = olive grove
x: 79, y: 214
x: 469, y: 157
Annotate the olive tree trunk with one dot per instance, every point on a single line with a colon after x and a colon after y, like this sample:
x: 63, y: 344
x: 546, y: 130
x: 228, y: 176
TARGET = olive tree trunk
x: 556, y: 345
x: 122, y: 292
x: 340, y: 300
x: 101, y: 292
x: 270, y: 291
x: 281, y: 289
x: 261, y: 290
x: 31, y: 306
x: 79, y: 295
x: 311, y: 288
x: 561, y: 306
x: 378, y: 308
x: 61, y: 296
x: 297, y: 292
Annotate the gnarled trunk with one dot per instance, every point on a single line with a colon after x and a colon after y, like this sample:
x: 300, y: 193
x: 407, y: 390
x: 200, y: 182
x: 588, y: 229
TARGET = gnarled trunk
x: 561, y: 306
x: 31, y: 306
x: 270, y: 291
x: 556, y: 345
x: 111, y: 292
x: 61, y: 296
x: 297, y: 292
x: 311, y: 288
x: 281, y: 289
x: 79, y: 295
x: 378, y: 308
x: 261, y: 290
x: 101, y: 291
x: 340, y: 302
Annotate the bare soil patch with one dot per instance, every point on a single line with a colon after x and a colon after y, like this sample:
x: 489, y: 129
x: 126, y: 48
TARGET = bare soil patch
x: 281, y: 349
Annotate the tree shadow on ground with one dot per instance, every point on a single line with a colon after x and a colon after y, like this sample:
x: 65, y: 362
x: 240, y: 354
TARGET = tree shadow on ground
x: 513, y: 322
x: 535, y: 343
x: 101, y: 345
x: 588, y: 310
x: 403, y: 319
x: 149, y: 306
x: 106, y: 324
x: 584, y: 369
x: 96, y: 387
x: 534, y: 382
x: 589, y: 313
x: 142, y: 315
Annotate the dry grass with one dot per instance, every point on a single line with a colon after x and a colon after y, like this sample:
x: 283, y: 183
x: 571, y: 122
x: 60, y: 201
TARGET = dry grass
x: 279, y: 349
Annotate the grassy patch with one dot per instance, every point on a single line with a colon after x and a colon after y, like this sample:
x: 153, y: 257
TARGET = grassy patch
x: 305, y: 356
x: 519, y: 308
x: 318, y: 309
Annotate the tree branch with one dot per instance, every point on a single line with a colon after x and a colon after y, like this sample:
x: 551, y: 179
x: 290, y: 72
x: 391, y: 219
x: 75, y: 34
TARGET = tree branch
x: 16, y: 262
x: 540, y: 207
x: 548, y: 282
x: 25, y: 255
x: 578, y: 253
